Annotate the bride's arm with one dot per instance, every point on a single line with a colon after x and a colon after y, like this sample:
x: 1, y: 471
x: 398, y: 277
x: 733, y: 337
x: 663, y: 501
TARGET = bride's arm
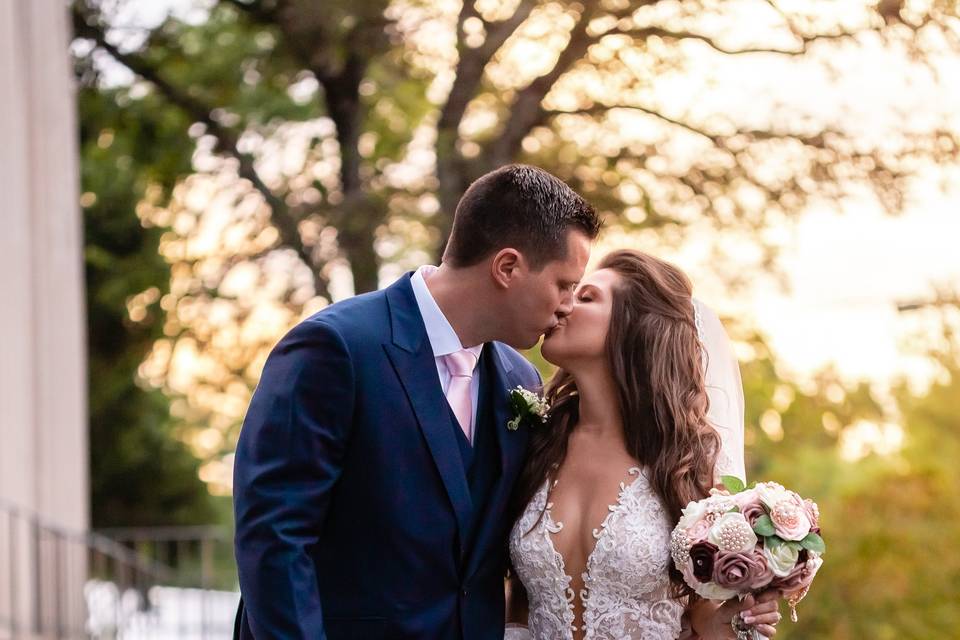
x: 518, y: 608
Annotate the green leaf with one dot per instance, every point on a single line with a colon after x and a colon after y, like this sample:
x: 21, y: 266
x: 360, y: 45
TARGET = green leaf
x: 814, y: 543
x: 772, y: 542
x: 733, y: 483
x: 764, y: 526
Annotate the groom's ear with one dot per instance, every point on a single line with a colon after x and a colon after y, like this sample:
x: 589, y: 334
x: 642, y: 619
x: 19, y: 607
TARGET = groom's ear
x: 505, y: 266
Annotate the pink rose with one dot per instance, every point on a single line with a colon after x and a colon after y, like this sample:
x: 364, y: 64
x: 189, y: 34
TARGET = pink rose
x: 699, y: 530
x: 790, y: 519
x: 800, y: 578
x: 738, y: 571
x: 765, y: 576
x: 753, y: 511
x: 813, y: 514
x: 748, y: 496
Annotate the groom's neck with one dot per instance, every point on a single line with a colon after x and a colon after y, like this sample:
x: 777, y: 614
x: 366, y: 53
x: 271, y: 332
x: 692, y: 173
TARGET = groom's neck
x: 462, y: 297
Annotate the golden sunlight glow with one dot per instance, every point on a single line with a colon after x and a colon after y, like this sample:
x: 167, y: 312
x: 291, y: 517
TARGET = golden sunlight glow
x: 237, y: 295
x: 865, y: 437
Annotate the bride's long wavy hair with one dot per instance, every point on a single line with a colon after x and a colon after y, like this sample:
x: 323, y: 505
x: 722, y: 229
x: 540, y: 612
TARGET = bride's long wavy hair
x: 655, y: 356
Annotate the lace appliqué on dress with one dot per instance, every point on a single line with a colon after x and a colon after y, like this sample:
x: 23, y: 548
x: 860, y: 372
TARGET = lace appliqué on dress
x: 626, y: 583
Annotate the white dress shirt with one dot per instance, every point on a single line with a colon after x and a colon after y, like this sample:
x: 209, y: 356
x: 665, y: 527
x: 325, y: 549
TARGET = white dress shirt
x: 443, y: 339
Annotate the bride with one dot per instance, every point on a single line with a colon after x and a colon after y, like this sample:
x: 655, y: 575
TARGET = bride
x: 628, y: 443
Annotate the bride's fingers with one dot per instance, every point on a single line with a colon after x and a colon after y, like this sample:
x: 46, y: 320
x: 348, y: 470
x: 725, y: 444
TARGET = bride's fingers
x: 762, y: 608
x: 766, y: 630
x: 769, y: 595
x: 744, y: 604
x: 771, y: 618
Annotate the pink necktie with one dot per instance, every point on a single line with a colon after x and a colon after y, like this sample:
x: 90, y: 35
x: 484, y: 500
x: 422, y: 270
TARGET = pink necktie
x: 460, y: 364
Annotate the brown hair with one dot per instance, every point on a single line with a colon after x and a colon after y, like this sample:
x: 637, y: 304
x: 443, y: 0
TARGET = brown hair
x: 655, y: 356
x: 522, y: 207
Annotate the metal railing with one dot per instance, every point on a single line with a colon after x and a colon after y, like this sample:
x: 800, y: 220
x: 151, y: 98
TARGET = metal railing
x: 170, y: 582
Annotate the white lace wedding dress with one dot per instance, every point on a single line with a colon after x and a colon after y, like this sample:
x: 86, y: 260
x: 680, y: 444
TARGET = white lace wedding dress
x: 626, y: 583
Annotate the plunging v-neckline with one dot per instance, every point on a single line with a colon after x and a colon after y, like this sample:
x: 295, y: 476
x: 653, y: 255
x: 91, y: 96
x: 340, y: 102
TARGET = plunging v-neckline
x: 553, y: 526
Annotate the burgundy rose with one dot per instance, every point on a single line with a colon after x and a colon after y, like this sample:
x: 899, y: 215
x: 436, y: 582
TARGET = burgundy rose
x: 800, y: 577
x: 738, y: 571
x: 753, y: 511
x: 702, y: 558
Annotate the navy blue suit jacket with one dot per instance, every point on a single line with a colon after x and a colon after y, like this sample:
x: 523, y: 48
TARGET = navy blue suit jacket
x: 350, y: 495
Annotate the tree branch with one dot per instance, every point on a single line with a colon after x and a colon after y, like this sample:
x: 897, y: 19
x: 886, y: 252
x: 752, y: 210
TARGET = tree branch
x: 473, y: 62
x: 452, y: 174
x: 646, y: 32
x: 256, y: 10
x: 604, y: 108
x: 527, y: 109
x: 226, y: 138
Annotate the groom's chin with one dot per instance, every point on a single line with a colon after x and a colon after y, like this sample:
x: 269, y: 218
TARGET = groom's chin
x: 522, y: 343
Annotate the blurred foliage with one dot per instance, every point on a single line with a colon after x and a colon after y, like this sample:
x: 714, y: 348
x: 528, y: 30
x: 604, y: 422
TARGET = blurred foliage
x: 140, y: 473
x: 317, y: 153
x: 888, y: 512
x: 219, y: 210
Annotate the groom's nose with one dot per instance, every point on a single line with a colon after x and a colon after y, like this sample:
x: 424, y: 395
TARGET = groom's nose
x: 566, y: 306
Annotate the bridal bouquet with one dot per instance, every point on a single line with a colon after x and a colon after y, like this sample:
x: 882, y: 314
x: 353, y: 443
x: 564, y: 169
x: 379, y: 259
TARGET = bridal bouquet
x: 741, y: 540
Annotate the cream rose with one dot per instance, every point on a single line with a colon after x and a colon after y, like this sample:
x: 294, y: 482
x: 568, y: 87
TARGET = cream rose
x: 691, y: 514
x: 770, y: 493
x: 782, y: 559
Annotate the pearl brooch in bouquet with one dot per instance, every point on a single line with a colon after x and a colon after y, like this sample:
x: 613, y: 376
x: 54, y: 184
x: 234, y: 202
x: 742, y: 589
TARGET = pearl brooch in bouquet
x: 741, y: 541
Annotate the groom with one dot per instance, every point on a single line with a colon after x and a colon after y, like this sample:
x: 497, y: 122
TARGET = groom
x: 375, y: 465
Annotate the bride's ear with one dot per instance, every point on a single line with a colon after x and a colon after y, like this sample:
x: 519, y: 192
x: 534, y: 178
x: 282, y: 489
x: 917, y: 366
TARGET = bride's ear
x: 505, y: 266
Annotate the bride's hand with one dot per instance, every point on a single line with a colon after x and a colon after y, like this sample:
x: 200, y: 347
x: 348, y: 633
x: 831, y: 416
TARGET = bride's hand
x: 761, y: 613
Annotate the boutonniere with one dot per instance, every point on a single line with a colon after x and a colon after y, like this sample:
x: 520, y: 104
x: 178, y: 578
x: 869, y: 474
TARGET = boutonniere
x: 527, y: 407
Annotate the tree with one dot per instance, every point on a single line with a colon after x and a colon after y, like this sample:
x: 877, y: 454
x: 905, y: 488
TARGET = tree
x: 140, y: 474
x: 339, y: 141
x: 376, y: 70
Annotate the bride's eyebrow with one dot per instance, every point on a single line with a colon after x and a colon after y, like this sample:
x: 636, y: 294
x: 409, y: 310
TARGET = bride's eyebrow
x: 588, y: 286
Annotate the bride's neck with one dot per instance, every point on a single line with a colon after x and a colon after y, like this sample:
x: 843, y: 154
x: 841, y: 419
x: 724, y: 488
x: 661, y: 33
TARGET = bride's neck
x: 599, y: 403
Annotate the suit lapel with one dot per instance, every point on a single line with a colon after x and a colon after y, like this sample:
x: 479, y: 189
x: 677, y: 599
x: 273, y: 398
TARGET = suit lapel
x: 501, y: 382
x: 511, y: 447
x: 413, y: 360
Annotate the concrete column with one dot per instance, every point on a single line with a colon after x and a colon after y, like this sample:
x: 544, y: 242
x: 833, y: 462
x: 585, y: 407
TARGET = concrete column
x: 43, y: 415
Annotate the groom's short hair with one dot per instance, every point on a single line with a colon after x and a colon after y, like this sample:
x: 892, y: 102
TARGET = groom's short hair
x: 522, y: 207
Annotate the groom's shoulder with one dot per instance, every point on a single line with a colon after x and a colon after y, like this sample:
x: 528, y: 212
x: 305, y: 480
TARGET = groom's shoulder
x: 355, y: 311
x: 353, y: 321
x: 355, y: 317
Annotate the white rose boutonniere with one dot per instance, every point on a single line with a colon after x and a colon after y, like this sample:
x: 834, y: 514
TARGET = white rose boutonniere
x: 527, y: 408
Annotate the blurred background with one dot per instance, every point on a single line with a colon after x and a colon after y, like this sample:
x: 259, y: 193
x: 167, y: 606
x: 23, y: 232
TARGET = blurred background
x: 184, y: 180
